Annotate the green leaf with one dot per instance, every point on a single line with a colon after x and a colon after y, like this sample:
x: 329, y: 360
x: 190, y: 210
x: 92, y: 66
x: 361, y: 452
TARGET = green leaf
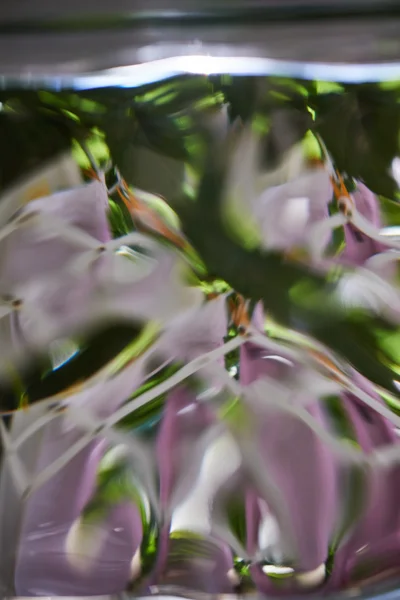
x: 288, y: 126
x: 119, y: 223
x: 177, y: 95
x: 360, y: 129
x: 97, y: 147
x: 356, y: 489
x: 390, y: 212
x: 28, y: 142
x: 236, y: 514
x: 241, y: 93
x: 159, y: 206
x: 115, y: 485
x: 150, y: 412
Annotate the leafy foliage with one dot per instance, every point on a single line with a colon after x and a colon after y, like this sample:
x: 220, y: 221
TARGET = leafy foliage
x: 361, y: 130
x: 359, y: 124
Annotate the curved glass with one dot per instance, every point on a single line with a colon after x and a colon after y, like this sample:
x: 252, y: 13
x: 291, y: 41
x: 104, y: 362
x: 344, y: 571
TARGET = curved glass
x: 199, y: 299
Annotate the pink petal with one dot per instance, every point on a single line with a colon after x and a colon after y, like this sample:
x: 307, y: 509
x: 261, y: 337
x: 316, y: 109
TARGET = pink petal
x: 379, y: 526
x: 26, y: 254
x: 42, y: 565
x: 276, y: 209
x: 359, y: 247
x: 301, y: 466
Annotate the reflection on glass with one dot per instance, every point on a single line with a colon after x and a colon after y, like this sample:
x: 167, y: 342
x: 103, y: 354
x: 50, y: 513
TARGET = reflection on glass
x: 199, y: 349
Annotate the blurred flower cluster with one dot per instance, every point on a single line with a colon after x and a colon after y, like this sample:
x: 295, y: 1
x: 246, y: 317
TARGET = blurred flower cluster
x: 219, y: 449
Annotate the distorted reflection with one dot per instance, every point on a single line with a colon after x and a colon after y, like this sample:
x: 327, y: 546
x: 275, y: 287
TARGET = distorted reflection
x: 199, y: 337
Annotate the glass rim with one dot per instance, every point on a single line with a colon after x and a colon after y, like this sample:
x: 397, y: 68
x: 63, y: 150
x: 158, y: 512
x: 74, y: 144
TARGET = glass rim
x: 349, y: 50
x: 157, y: 70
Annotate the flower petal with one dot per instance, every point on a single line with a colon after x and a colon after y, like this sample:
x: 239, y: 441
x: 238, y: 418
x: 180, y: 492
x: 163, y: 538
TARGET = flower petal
x: 53, y: 508
x: 302, y: 467
x: 304, y: 200
x: 32, y: 251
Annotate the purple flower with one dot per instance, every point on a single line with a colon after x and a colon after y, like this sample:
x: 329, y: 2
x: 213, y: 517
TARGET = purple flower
x: 204, y: 562
x: 149, y: 289
x: 188, y: 553
x: 287, y: 212
x: 371, y: 285
x: 52, y: 537
x: 312, y: 483
x: 287, y: 209
x: 59, y: 529
x: 375, y: 538
x: 195, y: 332
x: 61, y: 273
x: 43, y: 566
x: 35, y: 253
x: 297, y: 463
x: 359, y: 247
x: 184, y: 420
x: 35, y: 248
